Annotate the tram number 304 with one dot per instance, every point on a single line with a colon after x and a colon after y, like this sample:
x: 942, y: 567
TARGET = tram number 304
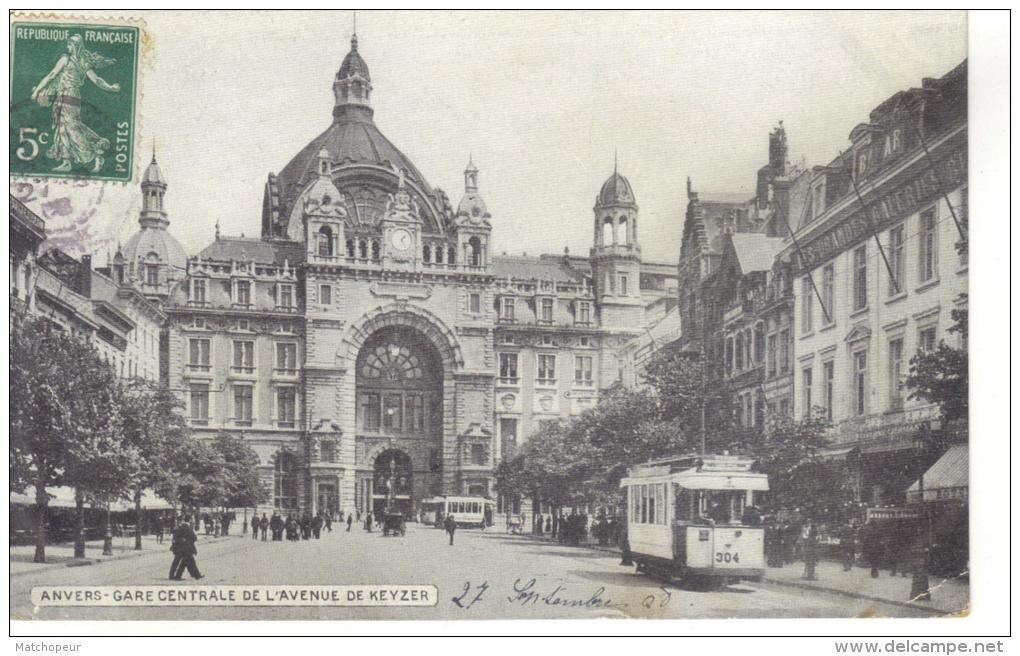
x: 727, y: 557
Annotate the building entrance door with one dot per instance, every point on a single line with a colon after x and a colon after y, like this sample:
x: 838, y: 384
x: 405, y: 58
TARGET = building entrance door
x: 328, y: 499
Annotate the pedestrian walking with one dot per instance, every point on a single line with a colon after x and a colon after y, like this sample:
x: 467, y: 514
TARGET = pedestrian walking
x: 157, y: 528
x: 317, y: 527
x: 263, y: 525
x: 349, y: 517
x: 810, y: 537
x: 183, y: 548
x: 255, y: 527
x: 451, y: 526
x: 328, y: 519
x: 848, y: 546
x: 277, y: 526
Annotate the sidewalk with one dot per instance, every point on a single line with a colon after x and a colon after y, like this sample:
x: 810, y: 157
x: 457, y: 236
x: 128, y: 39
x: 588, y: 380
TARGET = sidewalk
x: 947, y: 596
x: 62, y: 555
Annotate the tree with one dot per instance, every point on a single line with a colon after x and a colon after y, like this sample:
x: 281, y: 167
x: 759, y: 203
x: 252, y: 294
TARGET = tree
x: 155, y: 428
x: 941, y: 375
x: 241, y: 484
x: 65, y: 420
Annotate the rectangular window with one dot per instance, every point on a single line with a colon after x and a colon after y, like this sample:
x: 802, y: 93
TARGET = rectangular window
x: 244, y: 356
x: 368, y: 407
x: 818, y: 203
x: 393, y: 412
x: 286, y: 406
x: 584, y: 312
x: 508, y: 309
x: 198, y: 290
x: 286, y: 357
x: 242, y: 405
x: 829, y: 294
x: 896, y: 261
x: 546, y: 369
x: 860, y: 382
x: 623, y: 285
x: 198, y: 353
x: 508, y: 437
x: 927, y: 245
x: 861, y: 277
x: 829, y: 372
x: 582, y: 370
x: 151, y: 274
x: 478, y: 454
x: 508, y: 368
x: 243, y: 293
x: 547, y: 310
x: 286, y: 299
x: 926, y: 339
x: 414, y: 412
x: 770, y: 356
x: 784, y: 351
x: 327, y: 452
x: 896, y: 374
x: 199, y: 403
x: 806, y: 305
x: 805, y: 376
x: 325, y: 295
x: 475, y: 303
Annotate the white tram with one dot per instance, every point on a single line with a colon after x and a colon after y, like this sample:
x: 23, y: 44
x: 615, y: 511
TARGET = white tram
x: 466, y: 511
x: 686, y: 517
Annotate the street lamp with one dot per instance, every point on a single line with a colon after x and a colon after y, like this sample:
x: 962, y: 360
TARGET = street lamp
x: 107, y: 534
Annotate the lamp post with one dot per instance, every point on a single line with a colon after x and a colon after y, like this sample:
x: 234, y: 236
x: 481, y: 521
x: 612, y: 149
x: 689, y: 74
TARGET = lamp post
x: 919, y: 588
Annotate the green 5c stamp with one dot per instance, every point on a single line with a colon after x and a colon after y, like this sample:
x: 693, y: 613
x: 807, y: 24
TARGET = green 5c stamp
x: 73, y: 99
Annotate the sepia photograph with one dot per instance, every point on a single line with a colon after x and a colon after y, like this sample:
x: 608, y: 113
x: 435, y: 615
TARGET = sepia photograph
x: 489, y: 315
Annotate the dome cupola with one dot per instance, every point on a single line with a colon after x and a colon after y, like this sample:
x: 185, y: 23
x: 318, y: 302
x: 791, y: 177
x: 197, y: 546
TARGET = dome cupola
x: 352, y: 87
x: 616, y: 190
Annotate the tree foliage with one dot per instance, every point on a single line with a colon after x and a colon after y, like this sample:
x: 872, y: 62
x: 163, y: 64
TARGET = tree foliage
x: 941, y: 375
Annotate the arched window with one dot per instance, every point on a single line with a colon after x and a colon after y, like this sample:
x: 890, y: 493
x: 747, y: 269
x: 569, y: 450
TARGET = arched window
x: 451, y: 255
x: 608, y: 232
x: 325, y: 242
x: 375, y: 249
x: 350, y: 248
x: 474, y: 252
x: 363, y: 249
x: 285, y: 482
x: 439, y: 253
x: 426, y: 254
x: 624, y: 230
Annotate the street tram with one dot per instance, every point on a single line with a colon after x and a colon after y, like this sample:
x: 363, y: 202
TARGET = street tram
x: 694, y: 516
x: 466, y: 511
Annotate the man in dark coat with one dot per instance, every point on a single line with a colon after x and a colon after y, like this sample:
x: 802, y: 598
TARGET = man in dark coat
x: 276, y: 524
x: 848, y: 546
x: 349, y: 522
x: 157, y: 527
x: 327, y: 518
x: 451, y: 526
x: 263, y: 525
x: 317, y: 526
x: 871, y: 546
x: 254, y: 527
x: 810, y: 552
x: 184, y: 551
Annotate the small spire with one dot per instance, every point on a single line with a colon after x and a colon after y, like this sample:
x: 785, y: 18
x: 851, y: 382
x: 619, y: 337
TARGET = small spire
x: 154, y: 150
x: 354, y: 32
x: 217, y: 229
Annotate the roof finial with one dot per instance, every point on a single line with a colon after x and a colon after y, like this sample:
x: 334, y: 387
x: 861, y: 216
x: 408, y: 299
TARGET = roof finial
x: 354, y: 32
x: 154, y: 150
x: 217, y: 229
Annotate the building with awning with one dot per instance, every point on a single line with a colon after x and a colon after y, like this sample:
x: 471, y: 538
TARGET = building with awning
x: 63, y: 497
x: 946, y: 479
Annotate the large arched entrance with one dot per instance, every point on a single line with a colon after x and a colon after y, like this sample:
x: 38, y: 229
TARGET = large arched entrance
x: 399, y: 389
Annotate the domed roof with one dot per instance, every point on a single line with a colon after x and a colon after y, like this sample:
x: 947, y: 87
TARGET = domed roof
x: 472, y: 205
x: 616, y: 191
x: 153, y: 174
x: 353, y: 64
x: 155, y: 240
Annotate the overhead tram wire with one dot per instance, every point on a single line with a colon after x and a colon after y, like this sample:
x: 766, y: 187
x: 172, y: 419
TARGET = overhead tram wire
x: 800, y: 254
x: 938, y: 183
x: 874, y: 230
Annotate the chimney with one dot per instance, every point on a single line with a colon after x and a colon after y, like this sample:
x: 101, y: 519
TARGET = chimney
x: 85, y: 276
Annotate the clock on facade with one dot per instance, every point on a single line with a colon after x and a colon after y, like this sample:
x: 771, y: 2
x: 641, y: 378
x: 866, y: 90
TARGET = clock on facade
x: 401, y: 240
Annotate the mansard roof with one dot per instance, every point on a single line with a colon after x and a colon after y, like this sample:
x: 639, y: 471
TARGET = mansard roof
x: 226, y: 249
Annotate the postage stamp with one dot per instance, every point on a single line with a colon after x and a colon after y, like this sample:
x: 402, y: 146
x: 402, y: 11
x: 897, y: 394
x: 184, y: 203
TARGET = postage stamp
x: 73, y: 95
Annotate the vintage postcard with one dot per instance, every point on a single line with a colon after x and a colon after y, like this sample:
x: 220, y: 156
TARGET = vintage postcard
x: 489, y: 315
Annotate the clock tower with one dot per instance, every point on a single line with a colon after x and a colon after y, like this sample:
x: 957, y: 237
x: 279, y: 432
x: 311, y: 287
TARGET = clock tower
x: 401, y: 230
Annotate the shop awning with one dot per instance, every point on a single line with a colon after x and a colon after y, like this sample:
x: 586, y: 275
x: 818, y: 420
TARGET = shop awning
x: 63, y: 497
x: 946, y: 479
x: 835, y: 453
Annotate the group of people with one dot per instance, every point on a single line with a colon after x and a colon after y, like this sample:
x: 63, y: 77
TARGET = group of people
x: 305, y: 527
x: 892, y: 544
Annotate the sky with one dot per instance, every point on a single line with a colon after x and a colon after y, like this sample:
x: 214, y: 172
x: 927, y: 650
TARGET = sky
x: 540, y: 100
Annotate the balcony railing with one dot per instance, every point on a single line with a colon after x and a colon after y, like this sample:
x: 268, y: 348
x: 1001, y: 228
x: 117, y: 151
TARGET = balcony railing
x: 509, y: 380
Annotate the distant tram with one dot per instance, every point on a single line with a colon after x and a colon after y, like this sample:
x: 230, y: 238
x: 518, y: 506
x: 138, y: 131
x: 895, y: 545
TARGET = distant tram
x: 466, y: 511
x: 694, y: 516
